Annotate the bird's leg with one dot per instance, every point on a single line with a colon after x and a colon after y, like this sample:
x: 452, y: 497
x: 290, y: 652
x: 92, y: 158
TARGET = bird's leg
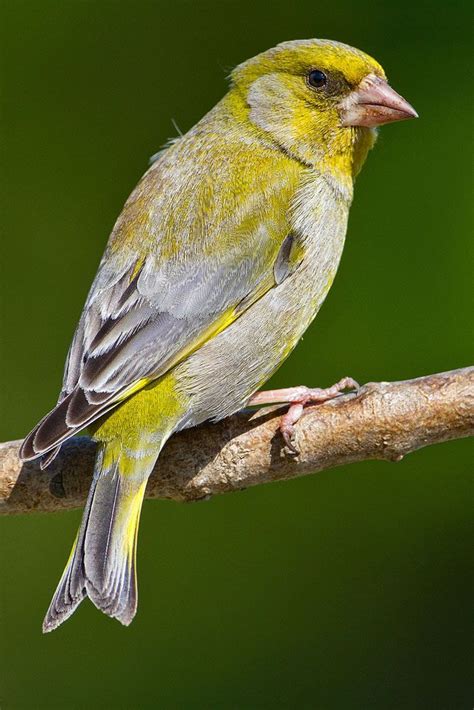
x: 297, y: 398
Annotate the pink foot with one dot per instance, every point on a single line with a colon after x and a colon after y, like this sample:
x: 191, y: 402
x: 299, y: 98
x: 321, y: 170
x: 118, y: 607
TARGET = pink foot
x: 297, y: 398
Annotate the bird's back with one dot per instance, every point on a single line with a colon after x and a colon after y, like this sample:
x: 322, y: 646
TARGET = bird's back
x: 194, y: 246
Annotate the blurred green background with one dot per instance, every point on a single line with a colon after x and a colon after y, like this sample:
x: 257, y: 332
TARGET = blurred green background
x: 349, y: 589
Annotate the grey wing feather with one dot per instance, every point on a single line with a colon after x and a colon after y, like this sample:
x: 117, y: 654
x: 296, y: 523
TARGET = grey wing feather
x: 135, y: 326
x: 156, y: 314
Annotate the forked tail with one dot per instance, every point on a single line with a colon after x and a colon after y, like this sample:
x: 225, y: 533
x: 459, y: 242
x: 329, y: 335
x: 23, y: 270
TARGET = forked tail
x: 102, y: 563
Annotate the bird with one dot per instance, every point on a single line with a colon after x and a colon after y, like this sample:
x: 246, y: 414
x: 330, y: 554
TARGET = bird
x: 218, y: 263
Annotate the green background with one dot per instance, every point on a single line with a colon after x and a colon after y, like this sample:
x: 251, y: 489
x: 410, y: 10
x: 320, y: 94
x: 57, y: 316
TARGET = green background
x: 349, y: 589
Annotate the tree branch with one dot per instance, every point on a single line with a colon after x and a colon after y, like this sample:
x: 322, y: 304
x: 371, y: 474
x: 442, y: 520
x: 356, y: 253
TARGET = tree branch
x: 382, y: 421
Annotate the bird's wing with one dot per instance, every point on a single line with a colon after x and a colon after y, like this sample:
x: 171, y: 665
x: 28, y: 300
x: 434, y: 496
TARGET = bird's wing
x: 154, y: 315
x: 145, y: 314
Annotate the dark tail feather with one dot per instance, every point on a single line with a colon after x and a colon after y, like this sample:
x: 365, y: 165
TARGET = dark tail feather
x: 71, y: 589
x: 69, y: 593
x: 102, y: 564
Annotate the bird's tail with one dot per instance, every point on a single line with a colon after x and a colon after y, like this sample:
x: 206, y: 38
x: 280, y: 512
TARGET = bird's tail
x: 102, y: 563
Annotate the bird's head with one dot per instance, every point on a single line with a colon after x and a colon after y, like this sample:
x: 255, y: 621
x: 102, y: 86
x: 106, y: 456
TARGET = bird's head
x: 320, y: 100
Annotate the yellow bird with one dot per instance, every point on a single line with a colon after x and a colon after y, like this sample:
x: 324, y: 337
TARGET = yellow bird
x: 218, y: 263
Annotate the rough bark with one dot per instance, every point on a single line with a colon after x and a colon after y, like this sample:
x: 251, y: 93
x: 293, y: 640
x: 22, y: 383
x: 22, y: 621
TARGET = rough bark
x: 381, y: 421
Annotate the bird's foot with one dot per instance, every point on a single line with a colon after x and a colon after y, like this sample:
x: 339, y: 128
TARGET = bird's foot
x: 298, y: 398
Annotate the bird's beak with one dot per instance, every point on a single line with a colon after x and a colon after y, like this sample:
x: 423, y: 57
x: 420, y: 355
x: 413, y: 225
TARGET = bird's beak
x: 374, y: 103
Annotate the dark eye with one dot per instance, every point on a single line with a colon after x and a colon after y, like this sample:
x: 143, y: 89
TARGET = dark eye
x: 317, y: 78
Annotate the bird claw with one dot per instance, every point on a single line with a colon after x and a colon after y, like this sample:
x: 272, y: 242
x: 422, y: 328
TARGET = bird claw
x: 289, y: 436
x: 302, y: 396
x: 287, y: 425
x: 290, y: 445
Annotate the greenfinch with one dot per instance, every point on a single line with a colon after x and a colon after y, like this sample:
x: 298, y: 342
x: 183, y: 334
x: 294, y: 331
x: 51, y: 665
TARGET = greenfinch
x: 219, y: 261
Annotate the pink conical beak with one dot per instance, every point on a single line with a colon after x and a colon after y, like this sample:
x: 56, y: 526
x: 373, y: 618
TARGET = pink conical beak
x: 374, y: 103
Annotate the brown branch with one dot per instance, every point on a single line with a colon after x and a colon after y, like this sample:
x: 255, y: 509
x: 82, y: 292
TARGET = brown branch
x: 382, y: 421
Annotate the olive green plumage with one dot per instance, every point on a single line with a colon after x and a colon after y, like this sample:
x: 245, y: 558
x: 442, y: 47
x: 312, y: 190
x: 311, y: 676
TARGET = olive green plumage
x: 218, y: 263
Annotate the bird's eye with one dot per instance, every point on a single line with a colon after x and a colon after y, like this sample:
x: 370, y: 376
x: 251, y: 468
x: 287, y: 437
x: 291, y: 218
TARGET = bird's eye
x: 317, y: 78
